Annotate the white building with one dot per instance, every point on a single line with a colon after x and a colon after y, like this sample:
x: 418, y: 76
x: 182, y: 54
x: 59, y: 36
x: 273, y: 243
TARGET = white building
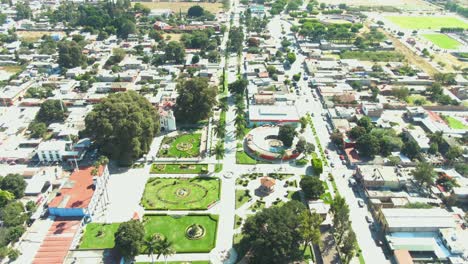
x: 57, y: 151
x: 167, y: 120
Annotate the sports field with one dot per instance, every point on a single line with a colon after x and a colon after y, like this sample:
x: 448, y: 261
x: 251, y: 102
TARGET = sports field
x: 406, y: 5
x: 442, y: 40
x: 425, y: 22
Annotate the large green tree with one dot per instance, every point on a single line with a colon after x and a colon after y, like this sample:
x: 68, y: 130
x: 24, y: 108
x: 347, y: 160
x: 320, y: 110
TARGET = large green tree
x: 368, y: 145
x: 286, y: 134
x: 424, y: 173
x: 312, y: 187
x: 174, y: 51
x: 129, y: 238
x: 238, y: 86
x: 70, y: 54
x: 15, y: 184
x: 273, y: 235
x: 123, y: 126
x: 51, y: 111
x: 195, y: 101
x: 23, y: 11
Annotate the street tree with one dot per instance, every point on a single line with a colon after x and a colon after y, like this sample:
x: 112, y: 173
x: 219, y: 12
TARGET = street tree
x: 195, y: 101
x: 341, y: 223
x: 238, y: 86
x: 123, y: 126
x: 310, y: 229
x: 129, y: 238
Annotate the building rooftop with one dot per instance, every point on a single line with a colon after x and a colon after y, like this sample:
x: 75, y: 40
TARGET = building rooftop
x: 273, y: 113
x: 415, y: 218
x: 77, y: 191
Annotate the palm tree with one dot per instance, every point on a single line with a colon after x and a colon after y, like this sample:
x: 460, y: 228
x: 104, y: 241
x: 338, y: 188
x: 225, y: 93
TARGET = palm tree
x: 239, y: 111
x: 240, y: 131
x: 240, y: 121
x: 219, y: 151
x: 151, y: 244
x: 219, y: 131
x: 282, y: 153
x: 165, y: 248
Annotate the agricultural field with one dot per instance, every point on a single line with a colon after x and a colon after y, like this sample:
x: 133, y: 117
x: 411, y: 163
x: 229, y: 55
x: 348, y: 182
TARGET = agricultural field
x: 182, y: 6
x: 406, y: 5
x: 442, y: 40
x: 425, y: 22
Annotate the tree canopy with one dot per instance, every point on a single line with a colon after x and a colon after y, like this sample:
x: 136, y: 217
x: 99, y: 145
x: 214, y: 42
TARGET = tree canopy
x: 238, y: 86
x: 15, y: 184
x: 129, y: 238
x: 51, y: 111
x: 424, y: 173
x: 70, y: 54
x: 123, y: 126
x: 174, y: 51
x: 195, y: 11
x: 195, y: 101
x: 273, y: 234
x: 286, y: 134
x: 312, y: 187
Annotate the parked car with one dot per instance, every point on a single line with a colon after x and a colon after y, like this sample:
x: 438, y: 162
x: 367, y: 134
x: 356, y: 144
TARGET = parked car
x: 360, y: 203
x: 369, y: 219
x: 341, y: 157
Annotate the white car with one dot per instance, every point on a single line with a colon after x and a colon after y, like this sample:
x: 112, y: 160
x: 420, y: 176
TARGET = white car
x: 360, y: 203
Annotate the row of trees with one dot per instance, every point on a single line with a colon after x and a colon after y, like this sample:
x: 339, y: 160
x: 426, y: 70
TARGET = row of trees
x: 316, y: 30
x: 110, y: 17
x: 13, y: 213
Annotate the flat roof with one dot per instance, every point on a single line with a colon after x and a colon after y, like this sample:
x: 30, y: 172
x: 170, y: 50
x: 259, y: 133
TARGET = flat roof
x: 77, y: 191
x: 273, y: 113
x: 409, y: 217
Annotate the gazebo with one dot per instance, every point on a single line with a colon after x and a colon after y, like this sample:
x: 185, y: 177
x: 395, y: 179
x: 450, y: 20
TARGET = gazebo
x: 267, y: 184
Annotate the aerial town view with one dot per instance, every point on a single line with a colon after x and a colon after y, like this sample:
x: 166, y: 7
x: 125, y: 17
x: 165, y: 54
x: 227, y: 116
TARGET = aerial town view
x: 234, y: 131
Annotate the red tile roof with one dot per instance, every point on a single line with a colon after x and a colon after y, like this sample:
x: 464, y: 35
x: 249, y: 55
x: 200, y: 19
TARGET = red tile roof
x: 57, y: 242
x: 78, y: 191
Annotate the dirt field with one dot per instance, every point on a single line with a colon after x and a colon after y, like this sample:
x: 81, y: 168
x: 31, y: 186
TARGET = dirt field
x: 175, y: 37
x: 11, y: 69
x: 400, y: 4
x: 35, y: 35
x: 183, y: 6
x: 412, y: 58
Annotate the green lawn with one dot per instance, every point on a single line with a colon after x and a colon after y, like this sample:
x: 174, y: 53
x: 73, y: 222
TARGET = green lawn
x: 454, y: 123
x: 426, y: 22
x: 442, y: 40
x: 243, y: 158
x: 174, y: 229
x: 99, y: 236
x: 180, y: 193
x: 181, y: 146
x: 241, y: 198
x: 179, y: 168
